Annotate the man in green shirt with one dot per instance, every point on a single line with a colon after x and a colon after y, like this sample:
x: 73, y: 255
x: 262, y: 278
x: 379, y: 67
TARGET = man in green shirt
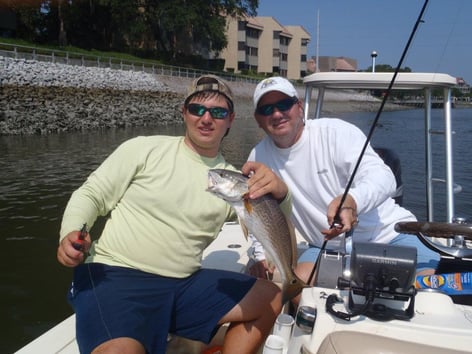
x: 142, y: 278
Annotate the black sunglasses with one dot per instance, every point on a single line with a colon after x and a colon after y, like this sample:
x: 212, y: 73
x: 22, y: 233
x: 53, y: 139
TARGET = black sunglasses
x: 282, y: 106
x: 215, y: 112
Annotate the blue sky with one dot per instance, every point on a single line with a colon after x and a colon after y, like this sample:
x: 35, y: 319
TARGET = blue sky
x: 355, y: 28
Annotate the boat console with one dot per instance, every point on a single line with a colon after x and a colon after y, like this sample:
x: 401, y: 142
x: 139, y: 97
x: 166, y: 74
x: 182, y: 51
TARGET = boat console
x: 375, y: 301
x: 380, y: 274
x: 365, y: 301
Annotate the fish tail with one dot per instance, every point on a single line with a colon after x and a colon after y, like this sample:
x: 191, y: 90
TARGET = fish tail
x: 292, y: 288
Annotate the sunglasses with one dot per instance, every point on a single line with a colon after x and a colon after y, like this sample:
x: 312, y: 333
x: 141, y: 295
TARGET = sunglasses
x: 282, y: 106
x: 215, y: 112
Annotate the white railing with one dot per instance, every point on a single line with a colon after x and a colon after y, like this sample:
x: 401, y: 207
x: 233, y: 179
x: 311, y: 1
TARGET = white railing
x: 71, y: 58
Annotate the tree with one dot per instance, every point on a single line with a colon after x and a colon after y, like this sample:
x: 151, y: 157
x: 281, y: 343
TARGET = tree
x: 385, y: 68
x: 187, y: 27
x: 176, y: 28
x: 29, y: 24
x: 62, y: 38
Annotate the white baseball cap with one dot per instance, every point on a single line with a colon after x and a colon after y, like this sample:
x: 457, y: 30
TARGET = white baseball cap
x: 275, y: 83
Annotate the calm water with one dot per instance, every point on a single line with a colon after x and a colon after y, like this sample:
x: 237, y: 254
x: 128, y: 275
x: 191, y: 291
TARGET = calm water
x: 38, y: 174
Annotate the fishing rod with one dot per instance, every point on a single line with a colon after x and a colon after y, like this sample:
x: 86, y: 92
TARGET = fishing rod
x: 337, y: 218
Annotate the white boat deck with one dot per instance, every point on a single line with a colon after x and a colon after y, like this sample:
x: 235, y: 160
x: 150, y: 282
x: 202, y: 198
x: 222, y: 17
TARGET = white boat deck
x: 60, y: 339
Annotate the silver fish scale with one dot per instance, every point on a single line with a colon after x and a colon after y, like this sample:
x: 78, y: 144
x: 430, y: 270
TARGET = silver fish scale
x: 265, y: 220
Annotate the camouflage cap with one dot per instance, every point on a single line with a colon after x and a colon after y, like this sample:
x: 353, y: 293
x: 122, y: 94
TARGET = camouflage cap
x: 210, y: 82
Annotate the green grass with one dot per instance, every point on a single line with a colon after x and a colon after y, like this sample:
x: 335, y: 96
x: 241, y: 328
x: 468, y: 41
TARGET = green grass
x: 73, y: 51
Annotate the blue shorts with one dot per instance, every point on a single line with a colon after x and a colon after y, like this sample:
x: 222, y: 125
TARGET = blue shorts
x: 425, y: 258
x: 112, y: 302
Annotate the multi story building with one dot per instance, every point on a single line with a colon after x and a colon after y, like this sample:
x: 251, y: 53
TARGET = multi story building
x: 263, y: 45
x: 297, y: 48
x: 242, y: 51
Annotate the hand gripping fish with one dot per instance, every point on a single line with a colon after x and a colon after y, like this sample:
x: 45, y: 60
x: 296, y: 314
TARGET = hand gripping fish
x: 263, y: 218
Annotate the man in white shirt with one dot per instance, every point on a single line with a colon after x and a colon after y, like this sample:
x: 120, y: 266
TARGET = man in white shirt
x: 315, y: 159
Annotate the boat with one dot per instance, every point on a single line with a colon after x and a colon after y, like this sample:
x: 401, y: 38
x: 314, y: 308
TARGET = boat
x: 343, y: 312
x: 332, y: 316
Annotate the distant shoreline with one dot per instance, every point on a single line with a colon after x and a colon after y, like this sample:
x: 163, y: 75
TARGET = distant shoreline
x: 47, y: 98
x: 335, y: 102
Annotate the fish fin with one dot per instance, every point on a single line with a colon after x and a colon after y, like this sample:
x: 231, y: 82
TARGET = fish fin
x: 244, y: 228
x: 291, y: 288
x: 247, y: 203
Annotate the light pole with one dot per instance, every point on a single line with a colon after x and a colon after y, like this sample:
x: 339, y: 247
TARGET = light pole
x: 373, y: 55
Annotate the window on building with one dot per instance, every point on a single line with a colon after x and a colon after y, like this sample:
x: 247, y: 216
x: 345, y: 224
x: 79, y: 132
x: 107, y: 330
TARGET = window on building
x: 254, y: 51
x: 241, y: 65
x: 252, y: 33
x: 284, y: 40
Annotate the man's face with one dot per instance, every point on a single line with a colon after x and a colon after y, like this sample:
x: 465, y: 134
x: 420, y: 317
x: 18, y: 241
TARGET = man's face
x: 207, y: 123
x: 281, y: 117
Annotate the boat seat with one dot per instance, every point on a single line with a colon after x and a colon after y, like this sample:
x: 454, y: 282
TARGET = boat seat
x: 392, y: 160
x: 349, y: 342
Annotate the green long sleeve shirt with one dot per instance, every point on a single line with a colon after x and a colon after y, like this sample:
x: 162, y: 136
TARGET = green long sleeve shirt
x: 160, y: 216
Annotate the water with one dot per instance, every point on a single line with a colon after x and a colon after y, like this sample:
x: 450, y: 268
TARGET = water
x: 404, y: 133
x: 38, y: 174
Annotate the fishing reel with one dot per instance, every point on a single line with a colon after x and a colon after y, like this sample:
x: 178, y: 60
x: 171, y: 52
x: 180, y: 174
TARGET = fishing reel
x: 381, y: 282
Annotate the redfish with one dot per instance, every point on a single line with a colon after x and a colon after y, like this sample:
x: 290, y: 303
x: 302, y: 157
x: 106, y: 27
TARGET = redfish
x: 263, y: 218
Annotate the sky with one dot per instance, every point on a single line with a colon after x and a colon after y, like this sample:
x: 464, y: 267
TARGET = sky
x: 356, y: 28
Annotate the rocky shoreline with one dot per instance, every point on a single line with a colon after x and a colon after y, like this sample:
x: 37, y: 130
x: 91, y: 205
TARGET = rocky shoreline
x: 44, y: 110
x: 44, y: 98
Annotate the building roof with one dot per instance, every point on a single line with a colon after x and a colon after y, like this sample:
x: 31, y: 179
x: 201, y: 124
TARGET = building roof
x: 299, y: 30
x: 253, y: 23
x: 276, y: 26
x: 344, y: 65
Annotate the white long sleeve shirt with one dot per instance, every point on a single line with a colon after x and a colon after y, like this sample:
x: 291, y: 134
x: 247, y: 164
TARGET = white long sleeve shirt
x: 317, y: 168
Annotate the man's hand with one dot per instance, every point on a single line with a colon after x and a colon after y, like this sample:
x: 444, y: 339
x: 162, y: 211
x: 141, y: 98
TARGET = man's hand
x: 261, y: 269
x: 347, y: 217
x: 71, y: 252
x: 263, y: 181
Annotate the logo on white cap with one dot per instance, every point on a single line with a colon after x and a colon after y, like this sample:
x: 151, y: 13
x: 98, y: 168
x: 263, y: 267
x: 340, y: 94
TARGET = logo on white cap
x: 276, y: 83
